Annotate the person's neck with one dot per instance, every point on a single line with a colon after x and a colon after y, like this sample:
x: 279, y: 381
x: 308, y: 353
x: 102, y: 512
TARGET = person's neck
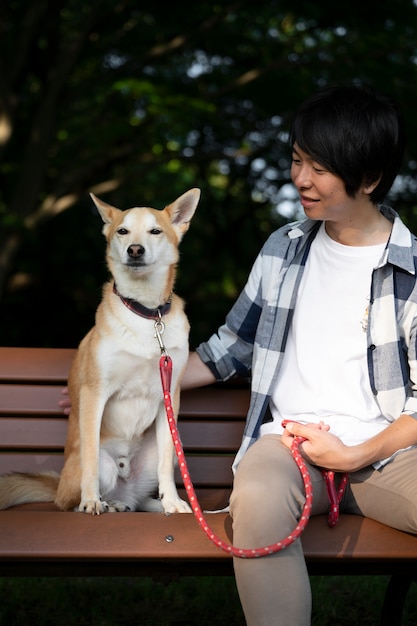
x: 370, y: 229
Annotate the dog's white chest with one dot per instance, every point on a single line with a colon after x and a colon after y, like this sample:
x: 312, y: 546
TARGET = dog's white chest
x: 132, y: 381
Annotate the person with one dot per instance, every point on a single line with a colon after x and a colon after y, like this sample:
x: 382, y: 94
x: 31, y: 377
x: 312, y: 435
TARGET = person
x: 326, y: 327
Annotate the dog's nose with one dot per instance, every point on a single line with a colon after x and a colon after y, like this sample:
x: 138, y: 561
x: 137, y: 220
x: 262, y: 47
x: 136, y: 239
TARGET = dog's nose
x: 135, y: 251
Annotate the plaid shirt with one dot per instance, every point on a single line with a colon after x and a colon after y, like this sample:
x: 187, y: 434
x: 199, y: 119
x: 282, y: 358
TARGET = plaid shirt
x: 252, y: 340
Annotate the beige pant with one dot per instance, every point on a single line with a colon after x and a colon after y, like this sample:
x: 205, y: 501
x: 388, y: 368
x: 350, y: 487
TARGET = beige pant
x: 266, y: 502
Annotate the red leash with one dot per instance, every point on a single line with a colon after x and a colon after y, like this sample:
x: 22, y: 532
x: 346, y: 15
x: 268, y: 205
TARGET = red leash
x: 165, y: 365
x: 335, y: 497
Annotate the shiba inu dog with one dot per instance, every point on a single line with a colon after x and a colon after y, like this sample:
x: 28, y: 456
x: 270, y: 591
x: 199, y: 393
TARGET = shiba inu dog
x: 119, y: 451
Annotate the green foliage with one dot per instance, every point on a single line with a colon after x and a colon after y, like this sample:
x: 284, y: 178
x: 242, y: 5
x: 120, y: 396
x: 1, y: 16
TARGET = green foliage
x: 140, y: 102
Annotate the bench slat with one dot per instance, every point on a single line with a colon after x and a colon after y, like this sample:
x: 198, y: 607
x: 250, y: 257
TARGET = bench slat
x: 30, y: 399
x: 34, y: 462
x: 207, y: 401
x: 130, y: 536
x: 31, y: 434
x: 214, y: 437
x: 209, y: 498
x: 35, y: 364
x: 26, y: 433
x: 124, y: 536
x: 212, y: 470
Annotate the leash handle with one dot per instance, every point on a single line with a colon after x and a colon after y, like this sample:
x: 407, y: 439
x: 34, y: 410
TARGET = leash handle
x: 165, y: 364
x: 335, y: 496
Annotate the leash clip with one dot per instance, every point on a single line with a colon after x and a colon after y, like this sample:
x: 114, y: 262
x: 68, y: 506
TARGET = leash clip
x: 159, y: 331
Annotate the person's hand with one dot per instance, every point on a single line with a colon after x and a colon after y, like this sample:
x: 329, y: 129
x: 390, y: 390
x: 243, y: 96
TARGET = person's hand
x: 320, y: 447
x: 65, y: 403
x: 288, y: 436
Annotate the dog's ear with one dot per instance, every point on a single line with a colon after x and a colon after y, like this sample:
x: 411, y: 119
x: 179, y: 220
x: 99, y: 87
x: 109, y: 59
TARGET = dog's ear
x: 107, y: 211
x: 183, y: 208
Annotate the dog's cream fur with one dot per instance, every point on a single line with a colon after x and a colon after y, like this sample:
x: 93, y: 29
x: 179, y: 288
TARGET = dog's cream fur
x: 119, y: 450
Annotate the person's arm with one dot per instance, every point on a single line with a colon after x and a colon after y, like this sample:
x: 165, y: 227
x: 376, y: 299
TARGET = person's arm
x: 326, y: 450
x: 196, y: 373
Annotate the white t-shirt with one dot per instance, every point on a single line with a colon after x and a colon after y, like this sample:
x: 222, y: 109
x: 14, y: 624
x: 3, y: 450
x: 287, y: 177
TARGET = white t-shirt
x: 324, y: 375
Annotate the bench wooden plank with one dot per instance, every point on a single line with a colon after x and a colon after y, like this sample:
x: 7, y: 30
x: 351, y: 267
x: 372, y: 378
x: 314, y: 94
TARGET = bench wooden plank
x: 30, y: 399
x: 34, y: 462
x: 124, y: 536
x: 35, y: 364
x: 33, y: 434
x: 35, y: 399
x: 207, y: 402
x: 210, y: 498
x: 26, y: 433
x: 131, y: 536
x: 204, y: 470
x: 214, y: 437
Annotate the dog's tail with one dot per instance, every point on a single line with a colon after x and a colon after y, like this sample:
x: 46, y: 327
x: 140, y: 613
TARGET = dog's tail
x: 19, y: 488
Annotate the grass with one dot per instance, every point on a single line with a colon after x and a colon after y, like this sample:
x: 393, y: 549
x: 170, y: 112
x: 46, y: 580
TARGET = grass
x: 338, y: 601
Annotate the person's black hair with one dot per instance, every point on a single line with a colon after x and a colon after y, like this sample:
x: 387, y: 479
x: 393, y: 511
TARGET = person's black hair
x: 355, y: 133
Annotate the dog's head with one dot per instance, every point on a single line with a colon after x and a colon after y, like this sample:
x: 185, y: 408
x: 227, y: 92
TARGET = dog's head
x: 143, y: 238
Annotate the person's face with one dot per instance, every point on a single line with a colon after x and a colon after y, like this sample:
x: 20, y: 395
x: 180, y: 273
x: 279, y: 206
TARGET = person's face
x: 322, y: 194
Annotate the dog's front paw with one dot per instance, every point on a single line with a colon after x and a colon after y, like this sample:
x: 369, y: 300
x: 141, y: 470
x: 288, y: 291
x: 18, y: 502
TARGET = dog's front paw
x: 174, y: 505
x: 115, y: 506
x: 93, y: 507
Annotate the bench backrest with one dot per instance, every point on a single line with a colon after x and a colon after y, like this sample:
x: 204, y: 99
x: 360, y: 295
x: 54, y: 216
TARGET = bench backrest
x: 33, y: 427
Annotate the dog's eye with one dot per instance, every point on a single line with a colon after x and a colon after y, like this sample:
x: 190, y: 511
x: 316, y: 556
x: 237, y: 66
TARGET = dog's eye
x: 122, y: 231
x: 155, y: 231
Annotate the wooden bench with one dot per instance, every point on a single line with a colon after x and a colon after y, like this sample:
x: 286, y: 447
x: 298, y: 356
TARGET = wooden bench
x: 39, y: 540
